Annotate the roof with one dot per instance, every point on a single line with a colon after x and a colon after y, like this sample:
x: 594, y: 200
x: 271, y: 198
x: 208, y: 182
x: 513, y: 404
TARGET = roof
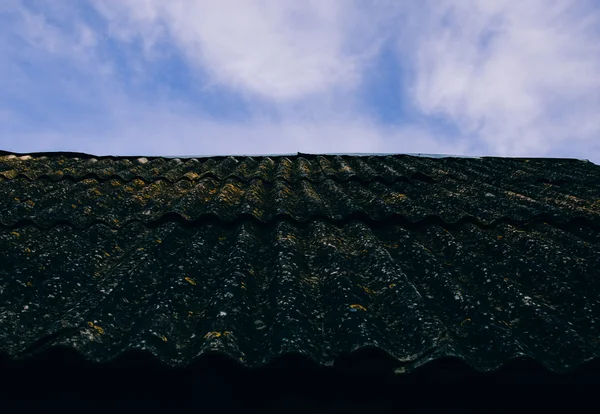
x: 485, y: 260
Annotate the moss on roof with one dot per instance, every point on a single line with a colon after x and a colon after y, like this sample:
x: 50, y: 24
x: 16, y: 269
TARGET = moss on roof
x: 485, y: 259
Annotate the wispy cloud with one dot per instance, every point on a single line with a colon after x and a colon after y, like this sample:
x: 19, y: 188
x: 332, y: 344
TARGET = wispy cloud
x: 524, y: 77
x: 280, y: 50
x: 199, y: 77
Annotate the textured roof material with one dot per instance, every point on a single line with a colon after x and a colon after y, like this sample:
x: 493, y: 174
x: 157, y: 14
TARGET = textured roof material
x: 483, y: 259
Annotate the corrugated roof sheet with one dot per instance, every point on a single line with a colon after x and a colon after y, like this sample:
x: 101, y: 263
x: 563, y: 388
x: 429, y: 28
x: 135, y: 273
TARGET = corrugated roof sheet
x: 484, y: 259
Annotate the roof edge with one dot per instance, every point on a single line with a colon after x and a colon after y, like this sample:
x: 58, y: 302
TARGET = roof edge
x: 297, y: 154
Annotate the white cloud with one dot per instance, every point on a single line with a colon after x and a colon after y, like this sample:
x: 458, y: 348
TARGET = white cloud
x: 40, y: 33
x: 280, y: 50
x: 523, y: 77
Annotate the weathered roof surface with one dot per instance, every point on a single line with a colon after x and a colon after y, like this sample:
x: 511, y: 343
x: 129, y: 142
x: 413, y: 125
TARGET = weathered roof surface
x: 483, y: 259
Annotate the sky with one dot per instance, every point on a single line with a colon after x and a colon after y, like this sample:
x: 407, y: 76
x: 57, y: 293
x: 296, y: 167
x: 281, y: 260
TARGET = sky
x: 232, y: 77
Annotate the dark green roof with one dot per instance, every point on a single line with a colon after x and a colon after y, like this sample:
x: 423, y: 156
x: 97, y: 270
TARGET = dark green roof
x: 484, y: 259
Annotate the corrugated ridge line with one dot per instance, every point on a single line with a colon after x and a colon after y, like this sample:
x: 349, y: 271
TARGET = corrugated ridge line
x: 567, y: 225
x: 147, y: 180
x: 418, y: 176
x: 427, y: 163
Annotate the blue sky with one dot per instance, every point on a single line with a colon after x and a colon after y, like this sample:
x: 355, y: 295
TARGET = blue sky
x: 184, y: 77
